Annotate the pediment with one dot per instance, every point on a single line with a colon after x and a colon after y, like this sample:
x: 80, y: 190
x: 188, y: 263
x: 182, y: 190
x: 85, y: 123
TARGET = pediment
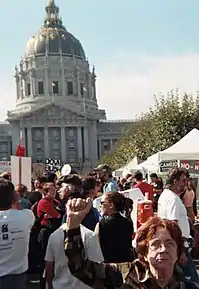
x: 53, y: 114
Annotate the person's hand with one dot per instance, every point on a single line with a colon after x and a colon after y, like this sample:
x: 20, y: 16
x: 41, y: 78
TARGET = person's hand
x: 76, y: 210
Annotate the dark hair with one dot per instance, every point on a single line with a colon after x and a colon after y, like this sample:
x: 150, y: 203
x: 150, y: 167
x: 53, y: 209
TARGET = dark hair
x: 147, y: 231
x: 51, y: 177
x: 129, y: 208
x: 154, y: 175
x: 138, y: 176
x: 6, y: 194
x: 120, y: 202
x: 88, y: 184
x: 175, y: 174
x: 74, y: 195
x: 6, y: 176
x: 73, y: 180
x: 42, y: 179
x: 22, y: 190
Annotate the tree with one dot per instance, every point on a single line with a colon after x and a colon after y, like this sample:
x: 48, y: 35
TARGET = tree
x: 171, y: 118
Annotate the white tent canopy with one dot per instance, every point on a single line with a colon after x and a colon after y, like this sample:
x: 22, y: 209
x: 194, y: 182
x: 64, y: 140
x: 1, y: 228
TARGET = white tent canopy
x: 185, y: 149
x: 128, y: 168
x: 151, y: 164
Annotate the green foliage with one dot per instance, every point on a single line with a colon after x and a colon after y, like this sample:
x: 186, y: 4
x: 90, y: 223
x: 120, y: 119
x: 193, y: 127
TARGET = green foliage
x: 171, y: 118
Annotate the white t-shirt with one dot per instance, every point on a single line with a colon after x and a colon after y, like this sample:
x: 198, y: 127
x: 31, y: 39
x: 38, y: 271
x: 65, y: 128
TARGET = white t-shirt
x: 55, y: 253
x: 97, y: 203
x: 171, y: 207
x: 15, y: 229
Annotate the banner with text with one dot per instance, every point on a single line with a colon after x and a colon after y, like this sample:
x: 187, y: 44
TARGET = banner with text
x: 191, y: 165
x: 166, y: 166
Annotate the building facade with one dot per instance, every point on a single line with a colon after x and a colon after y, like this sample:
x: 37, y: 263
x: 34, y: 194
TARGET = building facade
x: 57, y: 114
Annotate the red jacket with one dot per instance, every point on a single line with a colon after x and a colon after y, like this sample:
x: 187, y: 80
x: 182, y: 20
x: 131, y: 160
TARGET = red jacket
x: 46, y: 206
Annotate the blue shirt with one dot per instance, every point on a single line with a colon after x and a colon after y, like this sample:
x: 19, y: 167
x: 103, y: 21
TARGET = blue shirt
x: 110, y: 186
x: 25, y: 203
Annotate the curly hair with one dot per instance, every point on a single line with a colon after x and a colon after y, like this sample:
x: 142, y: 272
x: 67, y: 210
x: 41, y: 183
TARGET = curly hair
x: 147, y: 231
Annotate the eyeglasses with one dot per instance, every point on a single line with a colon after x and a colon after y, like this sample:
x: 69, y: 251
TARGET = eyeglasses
x: 104, y: 202
x: 157, y: 245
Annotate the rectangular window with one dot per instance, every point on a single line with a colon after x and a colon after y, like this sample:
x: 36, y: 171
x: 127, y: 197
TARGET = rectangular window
x: 81, y: 89
x: 28, y: 89
x: 4, y: 147
x: 70, y: 87
x: 72, y: 145
x: 55, y: 87
x: 55, y: 146
x: 40, y: 87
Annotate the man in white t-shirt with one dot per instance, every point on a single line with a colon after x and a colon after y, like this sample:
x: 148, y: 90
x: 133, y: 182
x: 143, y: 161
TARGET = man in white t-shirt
x: 15, y: 229
x: 171, y: 207
x: 58, y: 275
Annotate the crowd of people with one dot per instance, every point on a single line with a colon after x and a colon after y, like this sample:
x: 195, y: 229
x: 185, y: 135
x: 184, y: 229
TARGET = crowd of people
x: 55, y: 233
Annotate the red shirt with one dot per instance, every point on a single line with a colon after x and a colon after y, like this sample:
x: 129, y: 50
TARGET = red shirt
x: 145, y: 188
x: 46, y: 206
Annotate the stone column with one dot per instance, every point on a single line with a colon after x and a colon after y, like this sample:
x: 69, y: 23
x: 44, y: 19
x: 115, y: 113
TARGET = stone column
x: 15, y: 137
x: 100, y: 148
x: 29, y: 135
x: 63, y: 144
x: 32, y: 85
x: 90, y: 86
x: 79, y: 144
x: 46, y: 143
x: 111, y: 143
x: 63, y: 82
x: 78, y: 83
x: 93, y: 141
x: 86, y: 144
x: 46, y: 81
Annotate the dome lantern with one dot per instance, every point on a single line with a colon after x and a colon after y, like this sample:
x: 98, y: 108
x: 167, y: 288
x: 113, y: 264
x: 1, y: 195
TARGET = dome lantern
x: 53, y: 38
x: 52, y: 18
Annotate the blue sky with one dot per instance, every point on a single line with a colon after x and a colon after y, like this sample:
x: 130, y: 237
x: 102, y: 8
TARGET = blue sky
x: 139, y: 47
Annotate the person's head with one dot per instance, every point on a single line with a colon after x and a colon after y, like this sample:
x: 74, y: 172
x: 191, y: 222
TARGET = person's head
x: 51, y: 177
x: 138, y: 176
x: 122, y: 181
x: 154, y: 177
x: 112, y: 203
x: 39, y: 182
x: 73, y: 182
x: 7, y: 194
x: 90, y: 187
x: 159, y: 244
x: 21, y: 190
x: 104, y: 172
x: 64, y: 192
x: 177, y: 180
x: 190, y: 185
x: 6, y: 176
x: 49, y: 191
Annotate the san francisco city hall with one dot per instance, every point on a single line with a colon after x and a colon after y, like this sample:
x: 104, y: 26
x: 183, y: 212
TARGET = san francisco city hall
x: 56, y: 102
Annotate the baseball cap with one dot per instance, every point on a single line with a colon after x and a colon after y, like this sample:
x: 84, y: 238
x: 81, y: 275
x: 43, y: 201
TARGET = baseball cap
x: 103, y: 168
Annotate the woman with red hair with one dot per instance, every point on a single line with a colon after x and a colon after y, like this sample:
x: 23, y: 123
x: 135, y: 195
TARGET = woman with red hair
x: 159, y: 247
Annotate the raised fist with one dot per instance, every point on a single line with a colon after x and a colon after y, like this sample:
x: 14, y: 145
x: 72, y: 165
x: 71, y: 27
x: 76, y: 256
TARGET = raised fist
x: 76, y: 211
